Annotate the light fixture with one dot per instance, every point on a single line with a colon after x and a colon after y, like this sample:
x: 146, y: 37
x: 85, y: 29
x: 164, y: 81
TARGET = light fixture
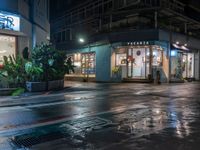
x: 177, y: 42
x: 81, y: 40
x: 185, y: 44
x: 173, y: 53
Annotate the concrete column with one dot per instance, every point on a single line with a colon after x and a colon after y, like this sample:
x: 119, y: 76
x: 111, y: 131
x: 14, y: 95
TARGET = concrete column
x: 156, y: 19
x: 151, y: 61
x: 185, y: 28
x: 110, y: 25
x: 100, y: 23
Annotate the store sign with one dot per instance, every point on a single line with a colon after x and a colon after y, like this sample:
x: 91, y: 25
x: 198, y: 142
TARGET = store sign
x: 10, y: 22
x: 139, y: 43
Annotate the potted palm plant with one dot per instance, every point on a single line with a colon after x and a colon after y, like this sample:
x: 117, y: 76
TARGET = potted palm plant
x: 47, y: 67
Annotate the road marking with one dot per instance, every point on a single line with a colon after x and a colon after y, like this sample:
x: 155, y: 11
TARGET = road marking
x: 29, y: 107
x: 15, y: 108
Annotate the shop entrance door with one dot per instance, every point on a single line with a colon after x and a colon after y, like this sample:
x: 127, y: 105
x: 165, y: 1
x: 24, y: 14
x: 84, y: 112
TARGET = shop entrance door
x: 137, y: 66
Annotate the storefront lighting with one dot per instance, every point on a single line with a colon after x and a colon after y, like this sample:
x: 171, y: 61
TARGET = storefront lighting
x: 173, y: 53
x: 9, y: 21
x: 184, y: 48
x: 2, y: 51
x: 77, y: 64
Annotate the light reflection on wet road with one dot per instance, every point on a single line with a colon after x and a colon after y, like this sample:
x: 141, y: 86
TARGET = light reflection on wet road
x: 106, y: 116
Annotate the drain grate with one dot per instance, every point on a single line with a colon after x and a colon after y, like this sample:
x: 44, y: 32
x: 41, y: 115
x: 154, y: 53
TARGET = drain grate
x: 30, y: 140
x: 67, y: 130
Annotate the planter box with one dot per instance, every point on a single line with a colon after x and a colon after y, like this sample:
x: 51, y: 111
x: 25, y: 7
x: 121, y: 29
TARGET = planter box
x: 41, y: 86
x: 35, y: 86
x: 55, y: 85
x: 6, y: 91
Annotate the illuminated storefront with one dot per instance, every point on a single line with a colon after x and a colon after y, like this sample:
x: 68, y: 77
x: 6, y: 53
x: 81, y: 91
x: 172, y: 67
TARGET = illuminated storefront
x: 9, y: 26
x: 138, y: 56
x: 84, y: 63
x: 22, y: 26
x: 182, y: 64
x: 136, y: 61
x: 7, y: 46
x: 9, y: 22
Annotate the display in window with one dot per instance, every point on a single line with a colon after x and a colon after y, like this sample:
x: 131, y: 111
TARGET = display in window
x: 157, y: 57
x: 121, y: 59
x: 7, y: 46
x: 88, y: 63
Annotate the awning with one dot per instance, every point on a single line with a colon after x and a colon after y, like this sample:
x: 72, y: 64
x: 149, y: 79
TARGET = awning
x: 175, y: 46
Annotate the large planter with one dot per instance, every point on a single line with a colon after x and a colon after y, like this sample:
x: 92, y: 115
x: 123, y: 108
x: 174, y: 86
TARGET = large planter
x: 35, y: 86
x: 6, y: 91
x: 55, y: 85
x: 41, y: 86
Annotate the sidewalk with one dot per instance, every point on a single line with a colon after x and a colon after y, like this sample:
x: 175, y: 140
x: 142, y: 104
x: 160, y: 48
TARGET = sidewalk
x: 29, y: 98
x: 67, y: 93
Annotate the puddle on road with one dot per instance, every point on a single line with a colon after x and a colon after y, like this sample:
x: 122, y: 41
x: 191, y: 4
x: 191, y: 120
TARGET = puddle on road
x: 142, y: 121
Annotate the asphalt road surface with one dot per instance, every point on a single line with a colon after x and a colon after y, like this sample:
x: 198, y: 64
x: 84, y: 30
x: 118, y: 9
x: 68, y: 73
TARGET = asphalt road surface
x: 104, y: 116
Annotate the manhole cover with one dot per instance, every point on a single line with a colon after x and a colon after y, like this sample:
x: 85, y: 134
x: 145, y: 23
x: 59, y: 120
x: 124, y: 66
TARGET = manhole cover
x: 92, y: 123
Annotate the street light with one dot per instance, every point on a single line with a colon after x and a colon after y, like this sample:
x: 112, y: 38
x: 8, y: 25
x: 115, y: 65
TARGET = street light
x: 81, y: 40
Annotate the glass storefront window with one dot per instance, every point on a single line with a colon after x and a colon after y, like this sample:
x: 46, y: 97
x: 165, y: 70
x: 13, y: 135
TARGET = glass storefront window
x: 176, y: 65
x: 7, y: 46
x: 157, y: 57
x: 182, y: 64
x: 88, y: 65
x: 84, y: 63
x: 77, y: 63
x: 190, y: 65
x: 121, y: 59
x: 138, y: 61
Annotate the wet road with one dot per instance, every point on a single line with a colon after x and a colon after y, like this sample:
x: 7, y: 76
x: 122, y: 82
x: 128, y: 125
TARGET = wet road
x: 104, y: 116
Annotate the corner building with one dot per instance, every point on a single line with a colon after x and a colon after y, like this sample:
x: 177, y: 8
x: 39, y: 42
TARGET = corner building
x: 23, y: 23
x: 131, y: 40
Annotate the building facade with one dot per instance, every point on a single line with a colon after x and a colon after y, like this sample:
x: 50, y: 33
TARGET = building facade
x: 131, y: 40
x: 23, y: 23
